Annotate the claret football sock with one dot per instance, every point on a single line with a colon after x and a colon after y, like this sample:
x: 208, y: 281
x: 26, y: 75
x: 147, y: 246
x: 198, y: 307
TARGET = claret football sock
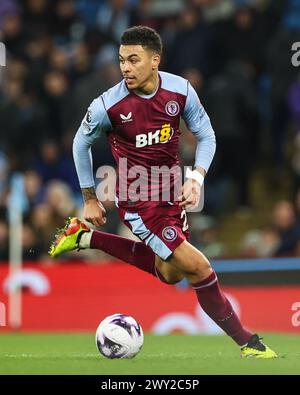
x: 134, y: 252
x: 219, y: 309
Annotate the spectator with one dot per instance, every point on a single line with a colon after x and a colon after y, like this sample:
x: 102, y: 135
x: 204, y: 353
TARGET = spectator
x: 231, y: 101
x: 12, y: 34
x: 43, y: 223
x: 3, y: 241
x: 285, y: 222
x: 192, y: 33
x: 65, y: 20
x: 38, y: 16
x: 260, y: 243
x: 7, y: 7
x: 31, y: 248
x: 60, y: 200
x: 56, y: 100
x: 113, y: 18
x: 33, y: 189
x: 3, y: 178
x: 51, y: 164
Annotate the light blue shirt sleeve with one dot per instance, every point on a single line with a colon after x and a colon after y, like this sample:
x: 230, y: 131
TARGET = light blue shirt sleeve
x: 95, y: 121
x: 198, y: 123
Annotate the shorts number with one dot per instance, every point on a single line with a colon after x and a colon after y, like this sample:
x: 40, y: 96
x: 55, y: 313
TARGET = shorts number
x: 185, y: 225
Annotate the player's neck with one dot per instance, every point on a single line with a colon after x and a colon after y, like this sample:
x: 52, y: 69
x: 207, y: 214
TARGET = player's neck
x: 150, y: 86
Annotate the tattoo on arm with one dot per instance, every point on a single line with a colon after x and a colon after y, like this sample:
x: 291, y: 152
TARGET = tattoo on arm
x: 88, y: 193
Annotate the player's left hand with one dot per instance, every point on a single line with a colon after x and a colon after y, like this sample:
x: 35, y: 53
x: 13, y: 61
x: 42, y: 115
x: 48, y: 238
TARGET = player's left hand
x: 190, y: 194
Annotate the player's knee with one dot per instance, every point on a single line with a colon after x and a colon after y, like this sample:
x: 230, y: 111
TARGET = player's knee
x: 198, y: 267
x: 190, y: 260
x: 167, y: 273
x: 172, y: 279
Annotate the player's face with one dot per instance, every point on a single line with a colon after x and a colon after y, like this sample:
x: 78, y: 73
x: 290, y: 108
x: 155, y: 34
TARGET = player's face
x: 138, y: 65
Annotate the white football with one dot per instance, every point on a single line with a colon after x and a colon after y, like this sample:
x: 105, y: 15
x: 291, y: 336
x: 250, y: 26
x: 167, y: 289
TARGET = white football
x: 119, y: 336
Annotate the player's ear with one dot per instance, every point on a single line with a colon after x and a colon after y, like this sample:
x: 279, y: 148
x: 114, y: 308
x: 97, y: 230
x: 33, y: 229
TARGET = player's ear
x: 155, y: 61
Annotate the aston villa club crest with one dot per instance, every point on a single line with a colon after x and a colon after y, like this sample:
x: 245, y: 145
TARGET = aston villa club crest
x: 172, y: 108
x: 169, y: 233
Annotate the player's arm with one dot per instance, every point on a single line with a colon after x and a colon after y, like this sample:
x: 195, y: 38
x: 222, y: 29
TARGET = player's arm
x: 199, y: 124
x: 95, y: 121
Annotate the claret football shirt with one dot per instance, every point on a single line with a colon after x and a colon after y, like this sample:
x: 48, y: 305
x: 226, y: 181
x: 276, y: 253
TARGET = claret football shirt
x: 143, y: 133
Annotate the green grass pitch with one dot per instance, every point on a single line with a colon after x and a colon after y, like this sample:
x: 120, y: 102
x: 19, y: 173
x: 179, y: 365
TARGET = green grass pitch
x: 173, y: 354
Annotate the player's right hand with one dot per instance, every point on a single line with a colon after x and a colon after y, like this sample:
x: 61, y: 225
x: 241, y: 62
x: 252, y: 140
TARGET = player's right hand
x: 94, y: 212
x: 190, y: 195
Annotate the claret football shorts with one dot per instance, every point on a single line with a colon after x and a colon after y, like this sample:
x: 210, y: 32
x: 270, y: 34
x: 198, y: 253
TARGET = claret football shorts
x: 163, y: 228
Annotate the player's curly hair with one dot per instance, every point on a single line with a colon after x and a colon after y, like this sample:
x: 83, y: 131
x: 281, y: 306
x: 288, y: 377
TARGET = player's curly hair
x: 142, y: 35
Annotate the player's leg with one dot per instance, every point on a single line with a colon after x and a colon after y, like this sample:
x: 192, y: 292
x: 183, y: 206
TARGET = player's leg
x: 77, y: 235
x: 133, y: 252
x: 204, y: 281
x: 196, y: 268
x: 167, y: 272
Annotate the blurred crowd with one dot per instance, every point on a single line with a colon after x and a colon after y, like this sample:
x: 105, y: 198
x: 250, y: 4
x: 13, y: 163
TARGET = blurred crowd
x: 61, y: 54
